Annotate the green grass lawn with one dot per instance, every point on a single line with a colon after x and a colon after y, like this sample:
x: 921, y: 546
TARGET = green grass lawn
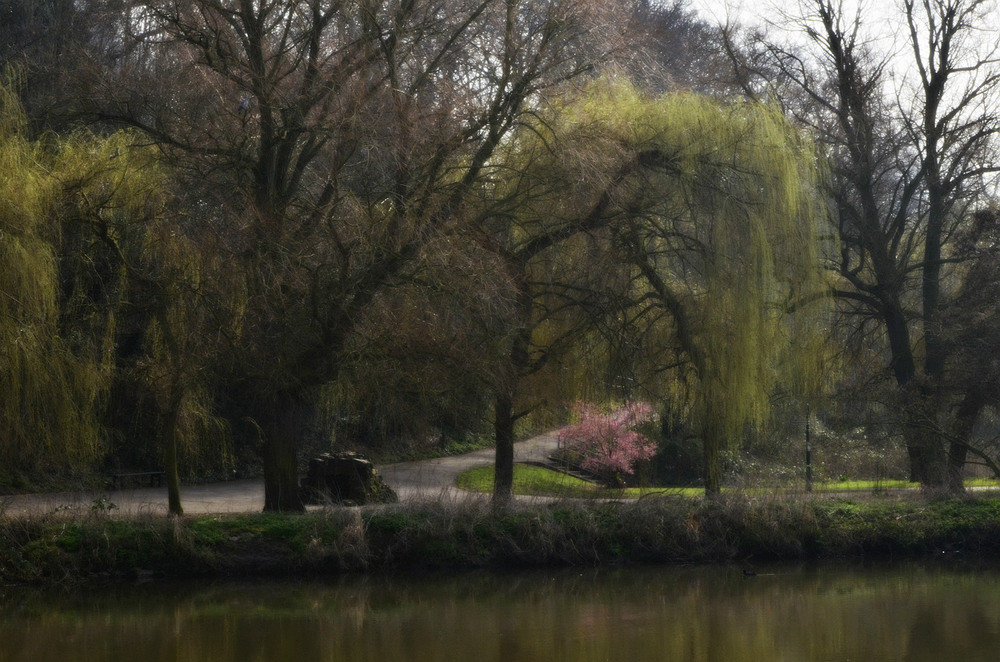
x: 538, y: 481
x: 879, y: 485
x: 863, y: 485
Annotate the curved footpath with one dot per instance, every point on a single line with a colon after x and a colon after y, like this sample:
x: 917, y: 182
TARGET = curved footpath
x: 413, y: 481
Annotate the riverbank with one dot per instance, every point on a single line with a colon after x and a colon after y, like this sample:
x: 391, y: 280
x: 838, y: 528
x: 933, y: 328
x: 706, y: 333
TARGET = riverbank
x: 66, y: 547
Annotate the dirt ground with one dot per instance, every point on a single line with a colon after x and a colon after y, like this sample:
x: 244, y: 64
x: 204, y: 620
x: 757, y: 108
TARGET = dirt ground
x: 412, y: 481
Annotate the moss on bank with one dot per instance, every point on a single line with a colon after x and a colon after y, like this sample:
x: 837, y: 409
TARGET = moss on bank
x: 59, y: 547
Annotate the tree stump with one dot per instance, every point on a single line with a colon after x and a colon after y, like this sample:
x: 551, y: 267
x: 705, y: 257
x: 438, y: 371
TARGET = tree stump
x: 345, y: 478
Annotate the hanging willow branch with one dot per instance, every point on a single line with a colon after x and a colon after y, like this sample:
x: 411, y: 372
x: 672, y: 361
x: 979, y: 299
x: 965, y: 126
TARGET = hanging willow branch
x: 720, y: 225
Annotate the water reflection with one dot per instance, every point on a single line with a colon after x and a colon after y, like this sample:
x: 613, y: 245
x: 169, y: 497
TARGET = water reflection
x: 908, y: 613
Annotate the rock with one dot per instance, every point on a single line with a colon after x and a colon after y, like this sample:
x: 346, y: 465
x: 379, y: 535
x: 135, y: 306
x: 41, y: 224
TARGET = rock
x: 346, y: 478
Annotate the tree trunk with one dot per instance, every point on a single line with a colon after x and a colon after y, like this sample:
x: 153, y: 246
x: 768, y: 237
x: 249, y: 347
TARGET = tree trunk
x: 168, y: 428
x: 170, y: 415
x: 503, y: 427
x: 281, y: 425
x: 923, y: 440
x: 903, y: 370
x: 956, y: 468
x: 958, y: 450
x: 503, y: 414
x: 933, y: 463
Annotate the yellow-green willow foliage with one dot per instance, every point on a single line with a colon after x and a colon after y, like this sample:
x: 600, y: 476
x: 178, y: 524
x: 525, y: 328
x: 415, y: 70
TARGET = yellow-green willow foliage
x: 714, y: 214
x: 68, y: 206
x: 730, y: 241
x: 48, y: 396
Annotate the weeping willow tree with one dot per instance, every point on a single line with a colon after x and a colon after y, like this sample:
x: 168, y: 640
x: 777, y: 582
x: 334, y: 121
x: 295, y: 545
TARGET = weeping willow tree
x: 724, y: 249
x: 88, y: 261
x: 133, y: 272
x: 50, y: 393
x: 711, y: 218
x: 172, y: 370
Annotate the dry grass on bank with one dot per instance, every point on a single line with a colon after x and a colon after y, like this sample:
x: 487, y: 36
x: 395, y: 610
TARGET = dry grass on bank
x: 67, y: 548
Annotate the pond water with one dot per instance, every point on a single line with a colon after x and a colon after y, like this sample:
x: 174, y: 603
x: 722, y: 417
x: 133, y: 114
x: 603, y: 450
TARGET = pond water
x: 872, y: 614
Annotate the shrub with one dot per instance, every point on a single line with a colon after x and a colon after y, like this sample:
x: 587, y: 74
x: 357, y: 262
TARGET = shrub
x: 609, y: 444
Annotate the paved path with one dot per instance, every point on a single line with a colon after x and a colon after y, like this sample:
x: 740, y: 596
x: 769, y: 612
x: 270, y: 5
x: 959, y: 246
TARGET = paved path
x: 413, y: 481
x: 435, y: 479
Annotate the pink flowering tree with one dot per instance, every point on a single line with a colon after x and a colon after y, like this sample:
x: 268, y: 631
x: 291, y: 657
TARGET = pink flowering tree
x: 608, y: 444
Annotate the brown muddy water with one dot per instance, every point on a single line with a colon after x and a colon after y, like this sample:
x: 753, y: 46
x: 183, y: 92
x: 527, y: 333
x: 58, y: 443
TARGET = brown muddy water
x: 905, y: 612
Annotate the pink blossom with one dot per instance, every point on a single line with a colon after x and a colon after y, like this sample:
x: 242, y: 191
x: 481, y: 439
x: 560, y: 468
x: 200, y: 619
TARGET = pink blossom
x: 608, y: 442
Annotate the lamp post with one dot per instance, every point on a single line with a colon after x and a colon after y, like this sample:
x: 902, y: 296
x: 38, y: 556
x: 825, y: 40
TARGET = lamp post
x: 809, y: 467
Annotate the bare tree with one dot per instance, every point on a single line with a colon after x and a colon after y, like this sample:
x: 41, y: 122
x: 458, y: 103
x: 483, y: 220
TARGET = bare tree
x: 911, y: 147
x: 672, y: 48
x: 329, y: 141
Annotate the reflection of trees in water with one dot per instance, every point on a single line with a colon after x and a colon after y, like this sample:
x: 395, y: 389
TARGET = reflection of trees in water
x: 963, y: 631
x: 905, y: 612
